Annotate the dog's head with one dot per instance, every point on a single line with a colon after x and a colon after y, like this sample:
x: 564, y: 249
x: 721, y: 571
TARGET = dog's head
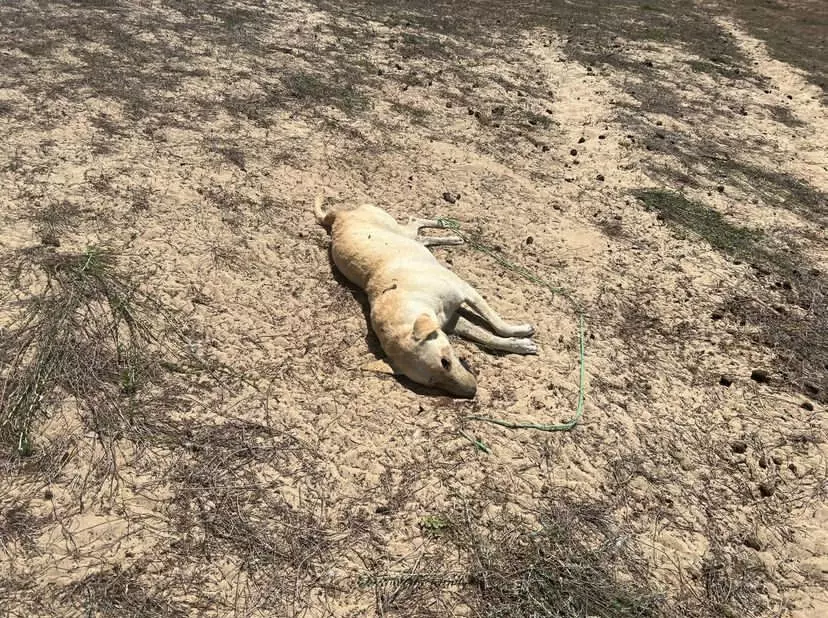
x: 431, y: 360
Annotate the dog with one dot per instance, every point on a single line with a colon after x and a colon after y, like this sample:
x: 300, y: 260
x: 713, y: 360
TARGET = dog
x: 415, y: 302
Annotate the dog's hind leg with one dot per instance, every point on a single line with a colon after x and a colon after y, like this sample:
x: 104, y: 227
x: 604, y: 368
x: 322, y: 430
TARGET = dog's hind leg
x: 473, y: 298
x: 436, y: 241
x: 418, y: 224
x: 414, y: 226
x: 471, y: 331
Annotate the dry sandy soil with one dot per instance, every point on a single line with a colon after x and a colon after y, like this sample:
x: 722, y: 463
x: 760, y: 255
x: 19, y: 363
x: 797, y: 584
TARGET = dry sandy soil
x: 186, y: 425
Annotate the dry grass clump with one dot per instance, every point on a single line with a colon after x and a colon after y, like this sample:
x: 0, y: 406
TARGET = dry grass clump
x: 83, y: 331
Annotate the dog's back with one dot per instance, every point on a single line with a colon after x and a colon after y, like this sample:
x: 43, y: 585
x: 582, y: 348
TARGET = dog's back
x: 366, y: 240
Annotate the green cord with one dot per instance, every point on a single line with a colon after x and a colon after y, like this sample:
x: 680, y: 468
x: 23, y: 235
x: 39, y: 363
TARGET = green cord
x: 477, y: 443
x: 454, y: 225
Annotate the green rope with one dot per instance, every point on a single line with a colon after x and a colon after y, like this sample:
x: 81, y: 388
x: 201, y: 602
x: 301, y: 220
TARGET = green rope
x: 452, y: 224
x: 477, y: 443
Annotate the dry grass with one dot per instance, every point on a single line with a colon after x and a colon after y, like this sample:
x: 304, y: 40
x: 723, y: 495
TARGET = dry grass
x: 86, y: 335
x: 577, y: 564
x: 115, y: 592
x: 84, y: 330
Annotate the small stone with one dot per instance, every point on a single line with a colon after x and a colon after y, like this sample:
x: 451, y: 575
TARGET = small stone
x: 600, y: 178
x: 602, y: 136
x: 738, y: 446
x: 760, y: 375
x: 544, y: 148
x: 766, y: 489
x: 529, y: 240
x: 48, y: 495
x: 573, y: 152
x: 807, y: 405
x: 660, y: 134
x: 720, y: 189
x: 382, y: 510
x: 581, y: 140
x: 811, y: 389
x: 725, y: 380
x: 449, y: 104
x: 763, y: 462
x: 718, y: 314
x: 451, y: 199
x: 777, y: 459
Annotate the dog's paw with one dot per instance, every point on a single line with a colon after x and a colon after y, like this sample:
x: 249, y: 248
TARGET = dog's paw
x: 522, y: 330
x: 525, y: 346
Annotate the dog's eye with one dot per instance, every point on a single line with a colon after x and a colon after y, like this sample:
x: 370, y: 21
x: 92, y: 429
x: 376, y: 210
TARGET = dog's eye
x: 446, y: 363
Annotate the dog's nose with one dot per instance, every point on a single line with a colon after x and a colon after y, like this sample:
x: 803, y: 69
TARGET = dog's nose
x: 466, y: 391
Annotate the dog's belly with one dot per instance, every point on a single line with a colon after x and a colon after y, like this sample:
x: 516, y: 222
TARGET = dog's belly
x: 360, y: 253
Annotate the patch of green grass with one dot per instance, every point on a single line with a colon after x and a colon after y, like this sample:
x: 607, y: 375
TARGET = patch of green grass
x: 435, y: 525
x: 780, y: 189
x: 707, y: 223
x: 714, y: 68
x: 799, y: 339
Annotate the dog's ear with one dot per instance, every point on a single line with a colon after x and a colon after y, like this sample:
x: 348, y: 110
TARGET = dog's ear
x: 424, y: 327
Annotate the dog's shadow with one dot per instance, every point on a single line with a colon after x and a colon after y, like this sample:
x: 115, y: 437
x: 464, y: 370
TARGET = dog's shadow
x: 371, y: 339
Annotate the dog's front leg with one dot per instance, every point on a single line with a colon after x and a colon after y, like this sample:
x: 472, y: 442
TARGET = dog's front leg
x: 499, y: 325
x: 468, y: 330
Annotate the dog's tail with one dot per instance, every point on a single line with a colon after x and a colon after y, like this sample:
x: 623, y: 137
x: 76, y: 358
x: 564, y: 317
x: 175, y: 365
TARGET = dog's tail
x: 323, y: 217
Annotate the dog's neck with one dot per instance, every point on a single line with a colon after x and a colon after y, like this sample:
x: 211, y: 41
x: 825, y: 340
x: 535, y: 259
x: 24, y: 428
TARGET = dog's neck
x: 393, y: 315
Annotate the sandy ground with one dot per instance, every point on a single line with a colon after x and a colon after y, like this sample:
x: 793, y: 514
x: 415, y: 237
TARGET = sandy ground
x: 192, y: 138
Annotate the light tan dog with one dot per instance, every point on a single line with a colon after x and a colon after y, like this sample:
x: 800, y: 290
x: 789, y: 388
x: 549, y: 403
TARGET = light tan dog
x: 414, y: 299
